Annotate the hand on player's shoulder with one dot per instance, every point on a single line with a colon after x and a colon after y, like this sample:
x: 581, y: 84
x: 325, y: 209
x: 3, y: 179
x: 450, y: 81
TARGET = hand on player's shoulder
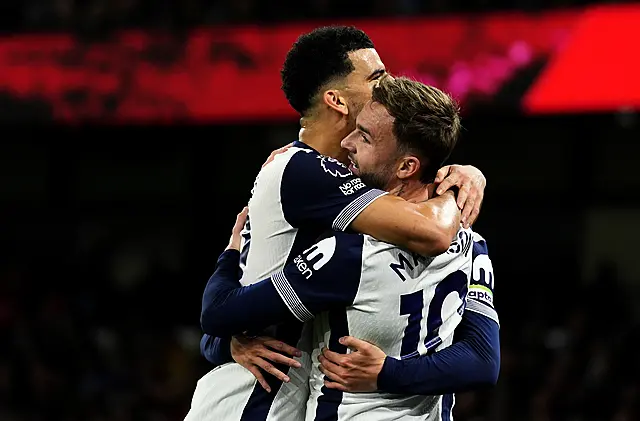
x: 236, y: 237
x: 276, y: 153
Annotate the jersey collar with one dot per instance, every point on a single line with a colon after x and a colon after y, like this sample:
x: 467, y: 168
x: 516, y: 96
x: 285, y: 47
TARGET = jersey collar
x: 300, y: 144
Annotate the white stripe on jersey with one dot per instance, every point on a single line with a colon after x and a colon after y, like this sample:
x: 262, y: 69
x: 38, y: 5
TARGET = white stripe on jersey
x: 290, y: 297
x: 349, y: 213
x: 485, y: 310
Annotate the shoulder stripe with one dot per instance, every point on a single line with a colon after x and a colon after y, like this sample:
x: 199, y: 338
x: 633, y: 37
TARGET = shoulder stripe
x: 290, y: 298
x: 353, y: 209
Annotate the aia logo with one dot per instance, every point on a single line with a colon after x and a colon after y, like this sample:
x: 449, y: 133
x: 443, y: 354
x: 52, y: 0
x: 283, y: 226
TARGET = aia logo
x: 334, y: 167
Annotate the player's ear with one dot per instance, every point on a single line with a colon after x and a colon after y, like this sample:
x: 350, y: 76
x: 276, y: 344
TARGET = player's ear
x: 335, y: 100
x: 408, y: 167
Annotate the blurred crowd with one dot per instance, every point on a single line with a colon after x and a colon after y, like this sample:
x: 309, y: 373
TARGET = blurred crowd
x: 94, y: 336
x: 97, y: 15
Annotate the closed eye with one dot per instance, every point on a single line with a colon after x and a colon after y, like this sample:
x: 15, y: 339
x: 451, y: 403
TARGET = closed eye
x: 377, y: 74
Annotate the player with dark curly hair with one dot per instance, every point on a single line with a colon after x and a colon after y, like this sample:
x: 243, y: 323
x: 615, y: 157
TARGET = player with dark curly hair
x: 306, y: 68
x: 327, y: 77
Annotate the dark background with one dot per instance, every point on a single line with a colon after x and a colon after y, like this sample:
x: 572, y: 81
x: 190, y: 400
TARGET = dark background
x: 109, y: 233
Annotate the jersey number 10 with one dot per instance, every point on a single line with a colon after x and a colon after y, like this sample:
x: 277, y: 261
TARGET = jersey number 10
x: 413, y: 305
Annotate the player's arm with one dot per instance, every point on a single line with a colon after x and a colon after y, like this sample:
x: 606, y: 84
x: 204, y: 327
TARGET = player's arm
x: 228, y: 308
x: 250, y: 352
x: 216, y: 350
x: 426, y: 228
x: 321, y: 192
x: 472, y: 362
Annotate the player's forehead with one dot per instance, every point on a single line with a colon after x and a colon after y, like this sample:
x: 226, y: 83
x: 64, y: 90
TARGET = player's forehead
x: 376, y: 120
x: 367, y: 63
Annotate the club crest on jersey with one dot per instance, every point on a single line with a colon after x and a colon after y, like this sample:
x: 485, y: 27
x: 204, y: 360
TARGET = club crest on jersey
x: 315, y: 256
x: 334, y: 167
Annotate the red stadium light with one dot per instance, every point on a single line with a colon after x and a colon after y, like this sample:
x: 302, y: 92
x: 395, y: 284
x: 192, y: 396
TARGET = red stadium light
x: 232, y: 73
x: 598, y: 70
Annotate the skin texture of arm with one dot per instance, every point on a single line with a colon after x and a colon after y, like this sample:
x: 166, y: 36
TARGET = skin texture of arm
x: 426, y: 228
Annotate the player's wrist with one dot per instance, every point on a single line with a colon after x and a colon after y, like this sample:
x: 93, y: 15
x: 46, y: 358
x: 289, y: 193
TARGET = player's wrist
x: 386, y: 375
x: 233, y: 246
x: 229, y: 259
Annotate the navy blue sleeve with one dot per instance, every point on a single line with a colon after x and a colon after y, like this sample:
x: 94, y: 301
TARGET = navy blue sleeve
x: 229, y: 309
x: 481, y: 287
x: 472, y: 361
x: 320, y: 191
x: 216, y: 350
x: 307, y: 286
x: 324, y: 276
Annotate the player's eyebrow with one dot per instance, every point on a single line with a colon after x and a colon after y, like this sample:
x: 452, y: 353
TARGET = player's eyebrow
x: 363, y: 129
x: 377, y: 73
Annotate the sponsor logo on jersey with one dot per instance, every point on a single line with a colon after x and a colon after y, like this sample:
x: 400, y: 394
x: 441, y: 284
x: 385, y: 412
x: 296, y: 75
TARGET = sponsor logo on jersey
x: 481, y: 293
x: 315, y: 257
x: 482, y: 271
x: 351, y: 186
x: 334, y: 167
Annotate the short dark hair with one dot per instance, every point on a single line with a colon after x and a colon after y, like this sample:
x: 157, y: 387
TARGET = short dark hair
x: 316, y: 58
x: 426, y: 120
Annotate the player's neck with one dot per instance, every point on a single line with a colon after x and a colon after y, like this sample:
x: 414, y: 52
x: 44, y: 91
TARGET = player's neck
x: 410, y: 190
x: 325, y: 140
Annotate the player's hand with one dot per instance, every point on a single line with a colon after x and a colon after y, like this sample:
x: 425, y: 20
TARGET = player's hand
x: 261, y: 353
x: 276, y: 152
x: 354, y: 372
x: 470, y: 182
x: 236, y: 238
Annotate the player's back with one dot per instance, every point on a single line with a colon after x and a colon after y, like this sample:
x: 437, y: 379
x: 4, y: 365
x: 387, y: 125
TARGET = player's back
x: 295, y: 198
x: 407, y: 305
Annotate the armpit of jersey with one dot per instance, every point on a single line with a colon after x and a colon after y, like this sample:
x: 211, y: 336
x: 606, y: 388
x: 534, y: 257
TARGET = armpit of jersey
x: 319, y: 190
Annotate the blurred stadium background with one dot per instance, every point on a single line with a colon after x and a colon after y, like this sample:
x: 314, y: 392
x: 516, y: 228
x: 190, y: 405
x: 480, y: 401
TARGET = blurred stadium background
x: 132, y: 131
